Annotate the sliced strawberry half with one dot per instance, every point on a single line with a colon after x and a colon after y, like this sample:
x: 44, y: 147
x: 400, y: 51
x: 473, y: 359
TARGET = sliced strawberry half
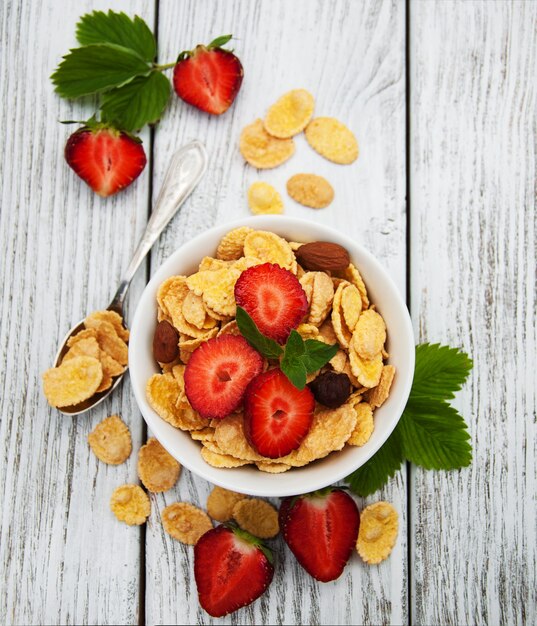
x: 208, y: 77
x: 217, y: 374
x: 232, y: 569
x: 273, y: 298
x: 277, y: 415
x: 321, y: 529
x: 108, y: 160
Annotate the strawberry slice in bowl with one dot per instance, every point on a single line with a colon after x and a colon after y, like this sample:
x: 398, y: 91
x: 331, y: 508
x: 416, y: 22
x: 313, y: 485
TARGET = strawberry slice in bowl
x: 321, y: 529
x: 217, y: 374
x: 232, y: 569
x: 274, y: 299
x: 277, y: 415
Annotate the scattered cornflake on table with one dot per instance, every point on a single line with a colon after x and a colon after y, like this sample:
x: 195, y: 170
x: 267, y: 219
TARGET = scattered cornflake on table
x: 257, y: 517
x: 185, y: 522
x: 290, y: 114
x: 111, y: 440
x: 332, y: 140
x: 310, y: 190
x: 262, y: 150
x: 379, y: 525
x: 264, y: 199
x: 130, y: 504
x: 220, y: 503
x: 157, y: 469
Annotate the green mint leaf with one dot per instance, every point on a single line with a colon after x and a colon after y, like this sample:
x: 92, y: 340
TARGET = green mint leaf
x: 434, y: 435
x: 440, y: 371
x: 376, y: 472
x: 139, y: 102
x: 294, y: 346
x: 267, y: 347
x: 119, y: 29
x: 317, y: 354
x: 220, y: 41
x: 294, y: 369
x: 97, y: 68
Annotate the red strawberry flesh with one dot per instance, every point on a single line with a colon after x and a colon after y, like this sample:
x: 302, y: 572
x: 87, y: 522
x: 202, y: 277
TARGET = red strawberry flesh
x: 230, y: 571
x: 209, y: 79
x: 277, y: 415
x: 217, y: 374
x: 273, y: 297
x: 321, y: 530
x: 106, y: 159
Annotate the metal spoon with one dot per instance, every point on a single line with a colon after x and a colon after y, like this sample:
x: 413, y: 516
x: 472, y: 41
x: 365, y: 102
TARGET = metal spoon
x: 184, y: 172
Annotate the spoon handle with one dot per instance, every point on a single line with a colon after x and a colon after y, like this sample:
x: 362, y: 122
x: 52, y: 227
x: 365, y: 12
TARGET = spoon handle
x: 186, y: 168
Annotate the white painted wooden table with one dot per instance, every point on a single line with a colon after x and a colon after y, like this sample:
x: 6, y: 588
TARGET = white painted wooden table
x: 442, y: 96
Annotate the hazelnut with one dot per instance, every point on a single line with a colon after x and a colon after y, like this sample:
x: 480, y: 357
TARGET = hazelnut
x: 331, y: 389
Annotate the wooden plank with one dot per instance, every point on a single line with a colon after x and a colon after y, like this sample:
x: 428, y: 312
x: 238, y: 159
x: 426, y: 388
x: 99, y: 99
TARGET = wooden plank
x: 351, y: 56
x: 473, y: 101
x: 64, y: 558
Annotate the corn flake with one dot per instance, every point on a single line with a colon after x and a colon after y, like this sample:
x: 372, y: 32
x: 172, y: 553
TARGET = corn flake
x: 272, y: 468
x: 332, y: 140
x: 343, y: 334
x: 257, y: 517
x: 111, y: 317
x: 111, y: 440
x: 351, y: 305
x: 262, y: 150
x: 193, y: 310
x: 310, y: 190
x: 203, y: 434
x: 73, y: 381
x: 267, y: 247
x: 379, y: 525
x: 369, y: 334
x: 220, y: 503
x: 85, y: 346
x: 290, y: 114
x: 321, y: 295
x: 221, y: 460
x: 185, y: 522
x: 216, y: 288
x: 367, y: 371
x: 232, y: 244
x: 157, y: 469
x: 130, y: 504
x: 111, y: 343
x: 231, y: 328
x: 364, y: 425
x: 353, y: 276
x: 264, y: 199
x: 172, y: 295
x: 379, y: 394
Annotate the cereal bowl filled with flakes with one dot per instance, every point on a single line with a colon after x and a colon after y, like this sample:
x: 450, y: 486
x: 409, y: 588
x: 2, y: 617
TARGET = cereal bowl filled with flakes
x: 272, y: 357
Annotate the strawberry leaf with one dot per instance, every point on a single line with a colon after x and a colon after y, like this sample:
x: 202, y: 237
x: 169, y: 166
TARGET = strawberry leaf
x: 96, y: 68
x: 139, y: 102
x: 440, y: 371
x: 434, y: 435
x: 220, y: 41
x: 317, y: 354
x: 295, y: 370
x: 267, y: 347
x: 376, y: 472
x: 119, y: 29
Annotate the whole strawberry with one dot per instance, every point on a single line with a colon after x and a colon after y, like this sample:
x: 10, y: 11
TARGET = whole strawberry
x: 232, y: 569
x: 208, y: 77
x: 321, y: 529
x: 108, y: 160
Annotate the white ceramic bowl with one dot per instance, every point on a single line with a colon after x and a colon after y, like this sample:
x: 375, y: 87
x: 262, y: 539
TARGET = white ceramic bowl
x: 249, y: 479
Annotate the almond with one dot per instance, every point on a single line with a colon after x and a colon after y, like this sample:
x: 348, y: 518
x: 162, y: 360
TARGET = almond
x: 322, y: 255
x: 165, y: 342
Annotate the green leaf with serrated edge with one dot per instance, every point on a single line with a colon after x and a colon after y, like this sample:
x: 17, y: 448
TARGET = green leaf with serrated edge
x: 97, y: 68
x: 295, y: 370
x: 317, y: 354
x: 140, y: 102
x: 119, y: 29
x: 376, y: 472
x: 440, y: 371
x: 267, y: 347
x: 433, y: 435
x: 220, y: 41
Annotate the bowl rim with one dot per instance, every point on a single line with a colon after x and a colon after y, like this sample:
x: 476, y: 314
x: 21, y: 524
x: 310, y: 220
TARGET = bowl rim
x: 157, y: 425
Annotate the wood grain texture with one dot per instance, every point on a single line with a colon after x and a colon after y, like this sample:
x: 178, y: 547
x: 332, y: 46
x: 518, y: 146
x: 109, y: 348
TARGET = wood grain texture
x: 473, y: 202
x: 350, y: 55
x: 64, y: 558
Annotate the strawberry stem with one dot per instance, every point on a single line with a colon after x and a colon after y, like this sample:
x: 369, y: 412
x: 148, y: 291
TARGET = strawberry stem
x: 161, y: 68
